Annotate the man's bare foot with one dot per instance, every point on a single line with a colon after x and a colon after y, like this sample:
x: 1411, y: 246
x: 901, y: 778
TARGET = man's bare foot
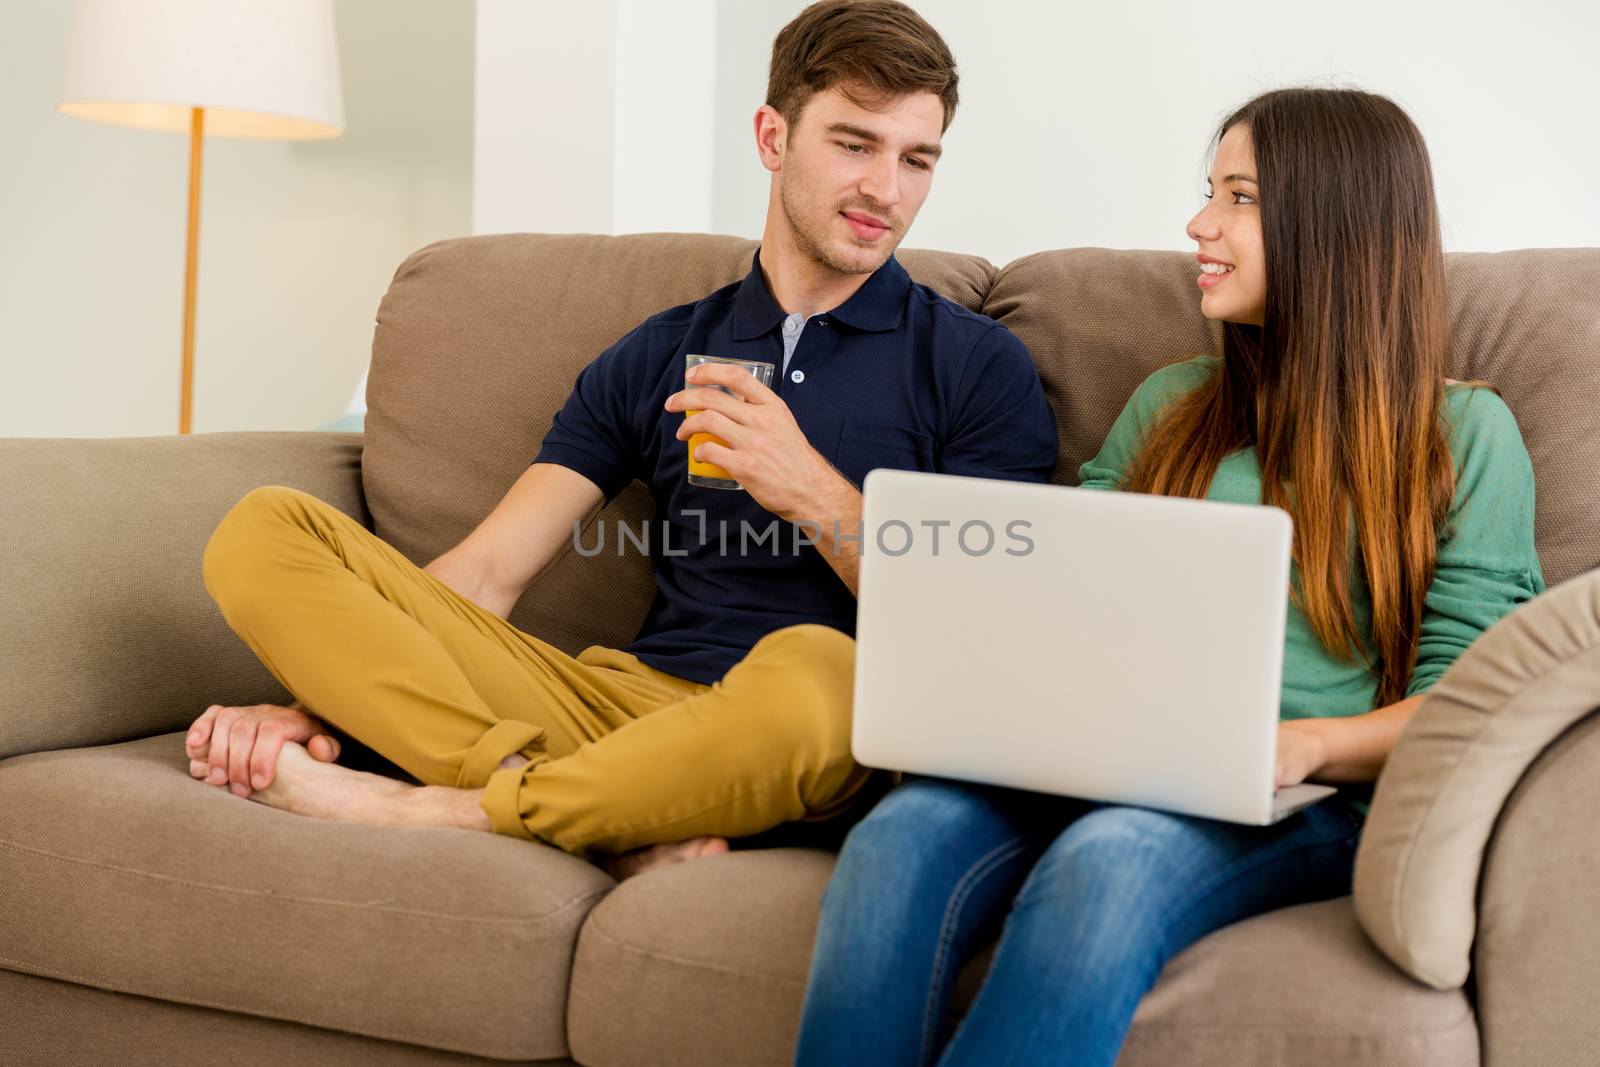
x: 308, y: 786
x: 640, y: 860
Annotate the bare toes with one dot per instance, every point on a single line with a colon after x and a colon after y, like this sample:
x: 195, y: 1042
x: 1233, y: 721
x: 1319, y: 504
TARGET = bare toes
x: 712, y: 846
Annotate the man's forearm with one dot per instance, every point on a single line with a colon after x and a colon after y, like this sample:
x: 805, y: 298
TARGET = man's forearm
x: 473, y: 582
x: 520, y: 539
x: 834, y: 522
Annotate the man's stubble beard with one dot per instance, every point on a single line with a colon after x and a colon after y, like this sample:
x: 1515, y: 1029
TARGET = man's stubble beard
x: 815, y: 248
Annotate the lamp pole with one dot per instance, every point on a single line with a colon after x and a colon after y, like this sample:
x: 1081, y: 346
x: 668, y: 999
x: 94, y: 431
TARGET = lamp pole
x: 190, y: 268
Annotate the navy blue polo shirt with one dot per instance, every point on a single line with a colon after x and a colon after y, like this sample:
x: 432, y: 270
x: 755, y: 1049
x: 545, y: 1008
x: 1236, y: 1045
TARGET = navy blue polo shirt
x: 896, y: 376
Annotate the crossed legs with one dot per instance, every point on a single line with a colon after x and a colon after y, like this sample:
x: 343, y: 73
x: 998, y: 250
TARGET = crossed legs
x: 597, y: 754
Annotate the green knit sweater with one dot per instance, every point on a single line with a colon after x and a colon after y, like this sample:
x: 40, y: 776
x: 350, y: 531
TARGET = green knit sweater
x: 1486, y: 559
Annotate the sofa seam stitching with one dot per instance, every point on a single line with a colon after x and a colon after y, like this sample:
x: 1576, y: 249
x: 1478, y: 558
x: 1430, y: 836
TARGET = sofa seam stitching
x: 261, y: 894
x: 1169, y: 1027
x: 666, y: 957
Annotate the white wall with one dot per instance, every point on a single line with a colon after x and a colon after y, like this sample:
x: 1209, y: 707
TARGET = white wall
x: 298, y: 241
x: 745, y: 29
x: 1079, y: 125
x: 665, y: 117
x: 594, y: 118
x: 545, y: 76
x: 1087, y: 124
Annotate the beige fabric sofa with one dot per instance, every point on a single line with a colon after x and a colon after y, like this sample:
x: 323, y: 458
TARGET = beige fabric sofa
x: 148, y: 919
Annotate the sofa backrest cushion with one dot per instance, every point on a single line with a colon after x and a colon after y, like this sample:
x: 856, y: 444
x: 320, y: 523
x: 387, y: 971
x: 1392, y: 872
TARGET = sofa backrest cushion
x: 478, y: 343
x: 1529, y: 321
x: 479, y: 340
x: 1099, y: 321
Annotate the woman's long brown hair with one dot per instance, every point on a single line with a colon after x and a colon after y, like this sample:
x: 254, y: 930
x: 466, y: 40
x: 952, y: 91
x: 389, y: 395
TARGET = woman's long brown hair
x: 1340, y: 390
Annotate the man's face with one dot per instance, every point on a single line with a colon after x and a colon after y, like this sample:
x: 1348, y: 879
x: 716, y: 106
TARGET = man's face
x: 852, y: 179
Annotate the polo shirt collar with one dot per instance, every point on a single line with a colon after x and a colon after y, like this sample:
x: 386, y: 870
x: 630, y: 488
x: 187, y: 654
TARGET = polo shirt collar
x: 880, y: 303
x: 877, y: 306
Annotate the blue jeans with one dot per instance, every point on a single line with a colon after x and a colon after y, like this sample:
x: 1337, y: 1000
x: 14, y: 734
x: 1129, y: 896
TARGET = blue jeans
x: 1094, y: 900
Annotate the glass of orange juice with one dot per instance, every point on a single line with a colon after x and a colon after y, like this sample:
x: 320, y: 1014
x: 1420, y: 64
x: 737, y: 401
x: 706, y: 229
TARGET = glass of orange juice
x: 701, y: 472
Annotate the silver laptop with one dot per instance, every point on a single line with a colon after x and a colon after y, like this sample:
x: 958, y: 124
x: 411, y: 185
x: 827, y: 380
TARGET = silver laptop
x: 1113, y: 646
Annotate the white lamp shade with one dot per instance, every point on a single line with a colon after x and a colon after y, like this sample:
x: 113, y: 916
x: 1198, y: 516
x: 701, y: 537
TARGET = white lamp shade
x: 261, y: 69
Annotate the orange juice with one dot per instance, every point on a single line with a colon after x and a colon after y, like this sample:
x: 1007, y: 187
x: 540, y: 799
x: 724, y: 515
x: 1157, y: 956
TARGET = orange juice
x: 699, y: 467
x: 709, y: 474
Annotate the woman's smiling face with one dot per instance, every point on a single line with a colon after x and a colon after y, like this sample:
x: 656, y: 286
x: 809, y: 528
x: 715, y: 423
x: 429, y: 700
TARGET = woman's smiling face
x: 1233, y: 262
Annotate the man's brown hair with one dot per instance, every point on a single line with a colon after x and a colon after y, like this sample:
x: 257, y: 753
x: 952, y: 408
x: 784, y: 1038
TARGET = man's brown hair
x: 871, y: 50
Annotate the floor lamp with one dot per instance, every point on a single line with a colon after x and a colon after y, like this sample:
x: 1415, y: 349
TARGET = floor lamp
x: 251, y: 69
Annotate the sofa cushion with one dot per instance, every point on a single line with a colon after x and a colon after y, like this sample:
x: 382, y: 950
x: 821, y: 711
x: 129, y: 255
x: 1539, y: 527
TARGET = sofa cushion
x: 1099, y: 321
x: 107, y: 631
x: 478, y: 343
x: 1299, y: 985
x: 1516, y: 689
x: 119, y: 871
x: 710, y: 959
x: 709, y: 956
x: 1538, y: 340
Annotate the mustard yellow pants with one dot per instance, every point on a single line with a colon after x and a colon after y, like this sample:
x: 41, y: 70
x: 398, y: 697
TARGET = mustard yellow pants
x: 622, y: 755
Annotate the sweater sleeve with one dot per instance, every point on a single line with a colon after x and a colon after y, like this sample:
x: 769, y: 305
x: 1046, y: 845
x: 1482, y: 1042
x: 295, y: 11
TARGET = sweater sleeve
x: 1486, y: 563
x: 1139, y: 415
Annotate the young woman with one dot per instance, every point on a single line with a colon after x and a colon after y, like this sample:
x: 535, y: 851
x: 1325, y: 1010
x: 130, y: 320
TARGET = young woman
x: 1412, y: 499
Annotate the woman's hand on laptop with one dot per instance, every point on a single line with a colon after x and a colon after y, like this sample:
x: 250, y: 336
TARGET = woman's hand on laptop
x: 1301, y: 753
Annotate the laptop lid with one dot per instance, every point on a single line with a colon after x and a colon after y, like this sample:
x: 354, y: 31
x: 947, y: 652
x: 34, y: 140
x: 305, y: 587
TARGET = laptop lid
x: 1115, y: 646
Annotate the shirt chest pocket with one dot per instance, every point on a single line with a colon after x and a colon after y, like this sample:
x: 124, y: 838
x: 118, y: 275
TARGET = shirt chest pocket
x: 865, y: 446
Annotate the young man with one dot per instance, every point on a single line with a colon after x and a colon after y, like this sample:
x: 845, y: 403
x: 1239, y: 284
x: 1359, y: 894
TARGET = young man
x: 730, y: 713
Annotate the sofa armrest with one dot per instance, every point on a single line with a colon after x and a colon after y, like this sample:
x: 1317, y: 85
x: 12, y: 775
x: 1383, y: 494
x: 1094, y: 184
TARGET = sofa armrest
x: 106, y: 630
x: 1536, y: 962
x: 1443, y: 796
